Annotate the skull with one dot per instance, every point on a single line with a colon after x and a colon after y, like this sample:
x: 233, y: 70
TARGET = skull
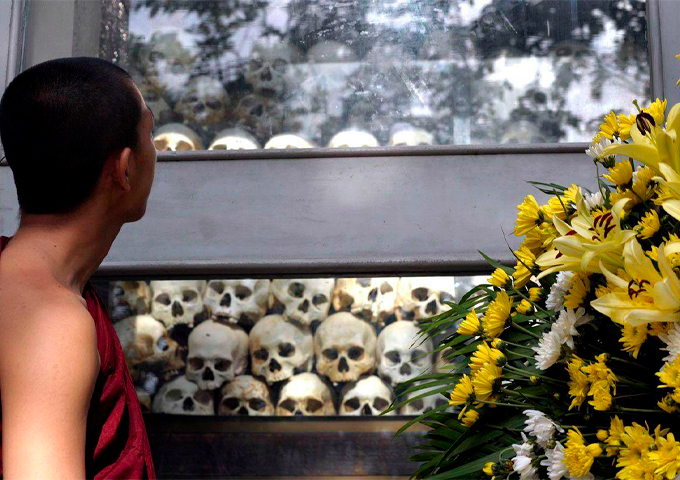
x: 280, y: 349
x: 444, y: 363
x: 270, y: 68
x: 129, y: 298
x: 182, y: 397
x: 177, y: 301
x: 204, y: 101
x: 262, y: 115
x: 237, y: 301
x: 147, y: 345
x: 344, y: 347
x: 306, y: 301
x: 217, y: 353
x: 288, y: 140
x: 406, y: 135
x: 368, y: 396
x: 144, y: 399
x: 371, y: 299
x: 245, y: 395
x: 353, y: 138
x: 166, y: 63
x: 422, y: 405
x: 419, y: 298
x: 401, y: 355
x: 175, y: 137
x: 234, y: 139
x: 305, y: 394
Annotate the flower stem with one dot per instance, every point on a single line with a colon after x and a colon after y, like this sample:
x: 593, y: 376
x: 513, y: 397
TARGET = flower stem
x: 522, y: 329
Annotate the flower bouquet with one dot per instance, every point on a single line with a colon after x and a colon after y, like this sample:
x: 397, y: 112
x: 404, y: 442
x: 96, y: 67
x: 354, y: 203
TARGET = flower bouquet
x: 568, y: 364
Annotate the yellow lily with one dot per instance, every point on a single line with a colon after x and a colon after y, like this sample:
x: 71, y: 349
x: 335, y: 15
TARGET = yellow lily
x: 669, y: 199
x: 650, y: 295
x: 591, y: 239
x: 659, y: 146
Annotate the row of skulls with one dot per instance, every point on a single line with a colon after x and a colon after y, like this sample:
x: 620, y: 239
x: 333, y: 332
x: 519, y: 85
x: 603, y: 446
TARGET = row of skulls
x: 304, y: 301
x: 176, y: 137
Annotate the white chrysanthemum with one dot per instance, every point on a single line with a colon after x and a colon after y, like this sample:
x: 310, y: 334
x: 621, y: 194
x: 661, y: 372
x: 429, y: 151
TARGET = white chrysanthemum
x: 523, y: 449
x: 555, y: 462
x: 524, y: 466
x: 593, y: 200
x: 540, y: 426
x: 595, y: 150
x: 548, y: 350
x: 566, y: 324
x: 672, y: 341
x: 555, y: 299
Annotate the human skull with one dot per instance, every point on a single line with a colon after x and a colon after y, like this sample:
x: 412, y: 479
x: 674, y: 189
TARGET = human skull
x: 444, y: 363
x: 147, y: 345
x: 217, y: 353
x: 234, y: 139
x: 280, y: 349
x: 407, y: 135
x: 422, y: 405
x: 237, y: 301
x: 269, y: 69
x: 401, y: 355
x: 144, y: 399
x: 182, y: 397
x: 262, y: 115
x: 129, y: 298
x: 167, y: 64
x: 419, y: 298
x: 353, y: 138
x: 175, y: 137
x: 204, y: 101
x: 305, y: 301
x: 305, y: 394
x: 344, y: 347
x: 177, y: 301
x: 287, y: 140
x: 245, y: 395
x: 368, y: 396
x: 372, y: 299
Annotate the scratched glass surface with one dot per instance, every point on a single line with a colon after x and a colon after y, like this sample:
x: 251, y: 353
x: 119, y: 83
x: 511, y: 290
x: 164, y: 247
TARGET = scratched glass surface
x: 327, y: 73
x: 281, y: 347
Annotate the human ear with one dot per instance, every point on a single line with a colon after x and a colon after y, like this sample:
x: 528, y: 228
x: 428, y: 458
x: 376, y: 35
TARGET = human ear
x: 121, y: 169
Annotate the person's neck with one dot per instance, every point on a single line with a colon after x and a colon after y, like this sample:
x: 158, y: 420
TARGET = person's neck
x: 71, y: 247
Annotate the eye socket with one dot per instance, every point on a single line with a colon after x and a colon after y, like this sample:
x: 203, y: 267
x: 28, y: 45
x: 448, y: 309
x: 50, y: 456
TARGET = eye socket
x: 217, y: 287
x: 255, y: 64
x: 214, y: 104
x: 161, y: 144
x: 189, y: 296
x: 364, y: 282
x: 355, y: 353
x: 288, y: 405
x: 261, y: 354
x: 286, y: 349
x: 162, y: 344
x: 351, y: 404
x: 421, y: 294
x: 134, y: 285
x: 222, y: 364
x: 174, y: 395
x: 380, y: 404
x: 417, y: 404
x: 330, y: 353
x: 192, y: 99
x: 242, y: 292
x: 183, y: 146
x: 393, y: 357
x: 313, y: 405
x: 280, y: 65
x: 372, y: 295
x: 386, y: 288
x: 319, y: 299
x: 163, y: 299
x: 196, y: 363
x: 203, y: 397
x: 257, y: 404
x: 418, y: 357
x: 231, y: 403
x: 445, y: 297
x: 296, y: 289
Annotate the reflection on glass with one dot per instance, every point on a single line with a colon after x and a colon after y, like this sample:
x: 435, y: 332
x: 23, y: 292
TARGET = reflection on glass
x: 366, y: 72
x: 281, y: 347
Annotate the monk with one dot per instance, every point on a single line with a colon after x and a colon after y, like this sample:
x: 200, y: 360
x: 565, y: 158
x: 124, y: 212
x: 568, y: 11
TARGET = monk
x: 77, y: 136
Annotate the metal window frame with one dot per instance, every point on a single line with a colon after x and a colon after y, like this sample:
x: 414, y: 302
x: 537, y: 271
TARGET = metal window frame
x: 298, y: 235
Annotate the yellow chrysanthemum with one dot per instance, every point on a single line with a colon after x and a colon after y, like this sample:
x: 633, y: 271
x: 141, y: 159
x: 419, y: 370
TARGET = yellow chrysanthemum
x: 625, y: 124
x: 533, y: 240
x: 485, y: 381
x: 579, y: 457
x: 635, y: 441
x: 643, y: 187
x: 558, y: 206
x: 530, y: 215
x: 470, y: 418
x: 602, y: 290
x: 497, y: 315
x: 578, y: 382
x: 525, y: 263
x: 632, y: 337
x: 660, y: 328
x: 488, y: 468
x: 523, y: 307
x: 602, y: 383
x: 571, y: 193
x: 620, y: 174
x: 602, y: 435
x: 670, y: 377
x: 499, y: 278
x: 667, y: 404
x: 648, y: 225
x: 471, y: 325
x: 616, y: 431
x: 483, y: 356
x: 463, y: 392
x: 657, y: 109
x: 610, y: 127
x: 579, y: 290
x: 535, y: 294
x: 666, y: 456
x: 673, y: 258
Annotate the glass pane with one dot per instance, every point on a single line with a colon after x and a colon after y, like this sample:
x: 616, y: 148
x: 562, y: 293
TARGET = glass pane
x: 302, y: 73
x: 311, y: 347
